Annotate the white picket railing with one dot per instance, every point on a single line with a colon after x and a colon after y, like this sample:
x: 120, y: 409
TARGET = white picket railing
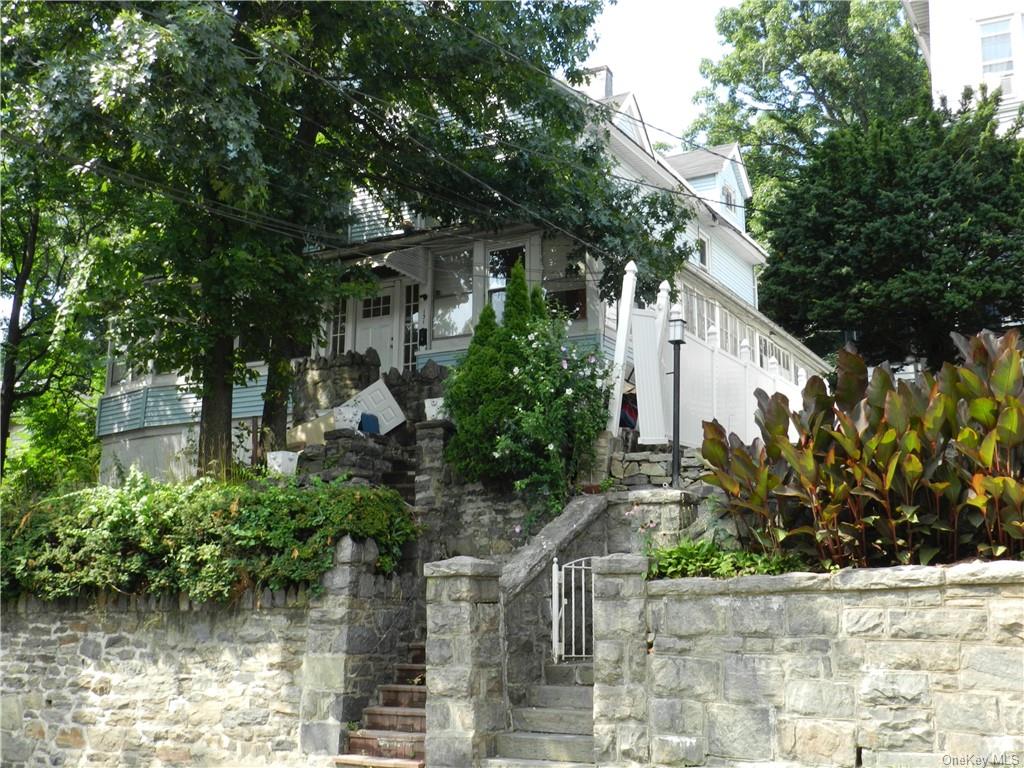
x: 572, y: 610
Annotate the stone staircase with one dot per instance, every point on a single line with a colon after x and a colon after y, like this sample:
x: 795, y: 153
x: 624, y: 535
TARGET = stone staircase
x: 555, y: 729
x: 392, y: 733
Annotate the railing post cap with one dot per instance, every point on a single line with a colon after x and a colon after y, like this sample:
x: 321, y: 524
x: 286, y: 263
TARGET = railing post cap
x: 631, y: 267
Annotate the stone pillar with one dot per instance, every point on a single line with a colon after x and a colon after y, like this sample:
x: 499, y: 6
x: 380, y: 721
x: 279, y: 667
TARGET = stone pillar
x: 431, y: 437
x: 621, y: 735
x: 330, y: 695
x: 465, y: 697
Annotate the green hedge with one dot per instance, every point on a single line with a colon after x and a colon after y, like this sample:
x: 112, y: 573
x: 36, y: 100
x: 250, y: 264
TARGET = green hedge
x: 704, y: 558
x: 207, y: 539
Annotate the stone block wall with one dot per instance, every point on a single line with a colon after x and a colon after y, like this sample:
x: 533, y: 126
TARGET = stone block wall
x: 914, y: 666
x: 370, y: 458
x: 271, y: 680
x: 653, y: 466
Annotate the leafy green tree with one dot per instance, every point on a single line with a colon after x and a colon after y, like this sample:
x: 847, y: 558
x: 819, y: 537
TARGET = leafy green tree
x: 796, y: 70
x: 899, y: 233
x: 244, y: 128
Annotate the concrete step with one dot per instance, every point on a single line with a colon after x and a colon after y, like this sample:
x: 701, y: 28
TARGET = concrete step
x: 386, y: 718
x: 561, y: 696
x: 546, y: 746
x: 548, y: 720
x: 518, y: 762
x: 372, y: 761
x: 569, y: 674
x: 383, y: 743
x: 397, y: 695
x: 411, y: 674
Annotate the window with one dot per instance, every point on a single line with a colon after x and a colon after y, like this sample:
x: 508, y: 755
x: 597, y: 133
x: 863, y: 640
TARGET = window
x: 453, y: 294
x: 699, y: 312
x: 996, y: 54
x: 728, y: 196
x: 728, y: 332
x: 703, y: 248
x: 410, y: 337
x: 336, y: 338
x: 768, y: 349
x: 499, y: 265
x: 377, y: 306
x: 563, y: 277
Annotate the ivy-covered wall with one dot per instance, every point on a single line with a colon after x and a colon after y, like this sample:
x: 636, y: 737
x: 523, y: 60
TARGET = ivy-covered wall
x: 271, y: 680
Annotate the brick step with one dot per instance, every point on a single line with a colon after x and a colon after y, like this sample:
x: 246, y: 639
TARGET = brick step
x: 407, y: 673
x: 550, y: 720
x: 418, y: 653
x: 397, y: 695
x: 385, y: 718
x: 372, y: 761
x: 546, y: 746
x: 569, y: 674
x: 561, y: 696
x: 519, y: 762
x: 404, y: 745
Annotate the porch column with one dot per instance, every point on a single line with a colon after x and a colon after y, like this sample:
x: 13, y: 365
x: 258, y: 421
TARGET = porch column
x: 465, y: 701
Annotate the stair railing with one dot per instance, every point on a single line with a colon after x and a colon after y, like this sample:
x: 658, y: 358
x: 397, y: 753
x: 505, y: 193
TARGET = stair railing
x: 572, y: 610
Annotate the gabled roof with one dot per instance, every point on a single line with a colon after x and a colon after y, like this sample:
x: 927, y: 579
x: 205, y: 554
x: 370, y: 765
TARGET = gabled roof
x: 628, y: 118
x: 710, y: 161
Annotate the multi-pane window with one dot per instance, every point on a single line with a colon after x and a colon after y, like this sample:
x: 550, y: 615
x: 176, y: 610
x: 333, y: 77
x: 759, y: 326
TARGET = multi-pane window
x: 996, y: 51
x: 410, y: 337
x: 728, y: 196
x: 768, y: 349
x: 728, y: 331
x: 336, y: 340
x: 377, y: 306
x: 499, y: 265
x: 563, y: 279
x: 699, y: 311
x: 453, y: 294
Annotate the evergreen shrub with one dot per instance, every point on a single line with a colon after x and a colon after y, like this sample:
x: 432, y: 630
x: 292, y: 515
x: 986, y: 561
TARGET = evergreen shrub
x: 528, y: 404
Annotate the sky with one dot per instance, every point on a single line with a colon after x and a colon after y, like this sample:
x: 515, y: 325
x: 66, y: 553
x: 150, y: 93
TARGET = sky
x: 654, y: 49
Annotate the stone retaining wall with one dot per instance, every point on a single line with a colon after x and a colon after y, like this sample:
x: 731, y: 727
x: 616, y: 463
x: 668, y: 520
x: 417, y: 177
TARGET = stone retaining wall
x: 653, y: 466
x: 123, y: 681
x: 914, y: 666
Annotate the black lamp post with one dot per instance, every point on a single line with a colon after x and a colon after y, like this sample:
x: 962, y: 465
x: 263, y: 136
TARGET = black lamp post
x: 676, y: 327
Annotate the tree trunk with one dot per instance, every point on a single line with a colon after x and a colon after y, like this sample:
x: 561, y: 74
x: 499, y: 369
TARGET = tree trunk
x: 13, y: 340
x: 215, y: 455
x: 274, y: 429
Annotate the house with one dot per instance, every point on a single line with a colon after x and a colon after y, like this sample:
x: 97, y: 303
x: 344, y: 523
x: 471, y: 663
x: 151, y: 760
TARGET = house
x: 969, y: 44
x: 433, y: 284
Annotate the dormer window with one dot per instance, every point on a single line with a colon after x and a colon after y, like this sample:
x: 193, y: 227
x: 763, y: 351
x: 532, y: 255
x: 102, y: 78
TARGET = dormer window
x: 728, y: 196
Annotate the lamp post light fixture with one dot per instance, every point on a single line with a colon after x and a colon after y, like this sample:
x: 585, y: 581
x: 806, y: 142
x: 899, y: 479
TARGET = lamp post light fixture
x: 676, y: 327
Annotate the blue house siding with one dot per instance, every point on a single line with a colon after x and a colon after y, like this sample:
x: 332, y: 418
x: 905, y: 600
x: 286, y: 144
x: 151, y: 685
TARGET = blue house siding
x: 737, y: 214
x: 167, y: 406
x: 734, y: 273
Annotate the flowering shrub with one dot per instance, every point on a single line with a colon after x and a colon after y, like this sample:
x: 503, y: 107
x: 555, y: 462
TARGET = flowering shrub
x: 527, y: 403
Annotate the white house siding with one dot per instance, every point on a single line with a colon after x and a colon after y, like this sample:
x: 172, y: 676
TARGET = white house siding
x: 705, y: 186
x: 732, y: 271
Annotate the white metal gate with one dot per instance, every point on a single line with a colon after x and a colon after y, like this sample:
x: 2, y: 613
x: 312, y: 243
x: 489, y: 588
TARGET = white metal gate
x: 572, y: 610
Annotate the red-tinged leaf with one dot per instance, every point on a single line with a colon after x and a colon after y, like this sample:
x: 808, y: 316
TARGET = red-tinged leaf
x: 715, y: 452
x: 984, y: 410
x: 971, y: 385
x: 896, y: 412
x: 1011, y: 424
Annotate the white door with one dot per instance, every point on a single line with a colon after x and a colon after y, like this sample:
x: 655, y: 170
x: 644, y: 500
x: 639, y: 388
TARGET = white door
x: 375, y: 323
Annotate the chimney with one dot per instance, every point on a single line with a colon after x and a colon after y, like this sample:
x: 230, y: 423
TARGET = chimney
x: 599, y: 83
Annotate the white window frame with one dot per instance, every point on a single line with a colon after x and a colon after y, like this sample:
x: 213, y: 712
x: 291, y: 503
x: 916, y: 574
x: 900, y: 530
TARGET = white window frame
x: 706, y: 264
x: 1000, y: 73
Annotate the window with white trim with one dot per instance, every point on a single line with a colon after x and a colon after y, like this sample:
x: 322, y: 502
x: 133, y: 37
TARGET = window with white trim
x: 996, y: 50
x: 499, y: 269
x: 702, y: 253
x: 699, y: 312
x: 728, y: 331
x: 336, y: 338
x: 410, y: 336
x: 453, y: 294
x: 728, y: 196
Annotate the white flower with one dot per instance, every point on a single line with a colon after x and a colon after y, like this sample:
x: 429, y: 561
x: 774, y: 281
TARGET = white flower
x: 515, y: 371
x: 497, y: 454
x: 568, y: 391
x: 532, y: 336
x: 551, y: 446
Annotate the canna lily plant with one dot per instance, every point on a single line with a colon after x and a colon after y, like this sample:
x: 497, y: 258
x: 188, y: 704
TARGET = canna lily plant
x: 884, y: 472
